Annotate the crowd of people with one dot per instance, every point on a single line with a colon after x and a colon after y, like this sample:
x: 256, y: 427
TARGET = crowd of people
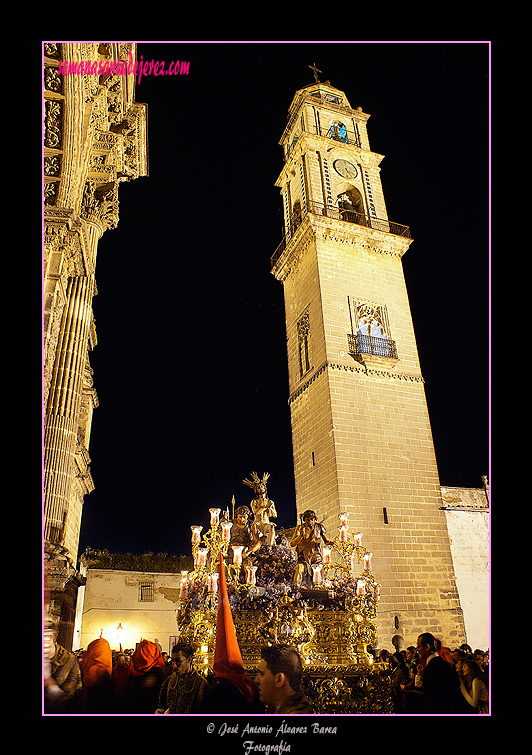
x: 431, y: 678
x: 425, y: 679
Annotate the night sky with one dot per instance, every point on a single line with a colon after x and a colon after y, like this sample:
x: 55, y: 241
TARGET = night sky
x: 190, y: 366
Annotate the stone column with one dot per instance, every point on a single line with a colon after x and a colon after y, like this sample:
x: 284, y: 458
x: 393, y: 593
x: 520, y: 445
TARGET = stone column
x: 64, y: 400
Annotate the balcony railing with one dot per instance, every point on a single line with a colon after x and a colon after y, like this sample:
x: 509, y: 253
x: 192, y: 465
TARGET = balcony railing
x: 337, y: 133
x: 380, y: 347
x: 337, y: 213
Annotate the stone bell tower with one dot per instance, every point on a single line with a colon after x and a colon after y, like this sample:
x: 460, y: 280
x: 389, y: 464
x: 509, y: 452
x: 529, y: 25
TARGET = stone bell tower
x: 361, y: 433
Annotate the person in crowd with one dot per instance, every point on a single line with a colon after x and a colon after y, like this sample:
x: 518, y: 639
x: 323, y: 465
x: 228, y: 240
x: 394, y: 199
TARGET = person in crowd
x: 168, y: 663
x: 278, y: 680
x: 384, y: 656
x: 96, y: 668
x: 119, y: 674
x: 474, y: 684
x: 145, y: 677
x: 412, y: 695
x: 398, y: 679
x: 183, y: 690
x: 441, y: 684
x: 481, y: 659
x: 457, y: 655
x: 443, y: 651
x: 410, y: 654
x: 63, y: 684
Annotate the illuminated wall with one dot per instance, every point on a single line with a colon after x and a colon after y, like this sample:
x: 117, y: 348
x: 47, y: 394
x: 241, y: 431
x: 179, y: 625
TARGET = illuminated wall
x: 143, y: 604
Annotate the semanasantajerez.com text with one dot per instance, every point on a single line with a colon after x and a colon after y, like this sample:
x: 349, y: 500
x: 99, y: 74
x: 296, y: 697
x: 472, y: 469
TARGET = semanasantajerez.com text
x: 138, y: 68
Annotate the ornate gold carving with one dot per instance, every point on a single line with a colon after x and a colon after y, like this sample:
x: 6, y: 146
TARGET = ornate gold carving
x: 53, y: 82
x: 53, y: 120
x: 100, y: 204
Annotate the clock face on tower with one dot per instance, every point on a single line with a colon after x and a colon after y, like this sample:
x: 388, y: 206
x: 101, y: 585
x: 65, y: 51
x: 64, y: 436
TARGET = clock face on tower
x: 345, y: 169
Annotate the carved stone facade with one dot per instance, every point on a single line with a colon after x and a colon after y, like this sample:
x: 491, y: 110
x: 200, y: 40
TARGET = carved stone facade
x: 94, y: 139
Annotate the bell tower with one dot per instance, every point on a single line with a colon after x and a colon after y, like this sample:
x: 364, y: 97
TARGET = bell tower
x: 361, y: 433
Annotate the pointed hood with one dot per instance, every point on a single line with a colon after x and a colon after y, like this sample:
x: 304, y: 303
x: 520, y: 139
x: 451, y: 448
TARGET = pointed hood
x: 228, y: 662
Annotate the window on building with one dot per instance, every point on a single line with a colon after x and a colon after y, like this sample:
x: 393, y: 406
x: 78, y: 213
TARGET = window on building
x: 370, y: 330
x: 303, y: 332
x: 146, y: 592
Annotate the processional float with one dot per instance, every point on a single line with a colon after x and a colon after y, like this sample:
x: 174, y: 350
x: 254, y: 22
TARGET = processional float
x: 313, y: 593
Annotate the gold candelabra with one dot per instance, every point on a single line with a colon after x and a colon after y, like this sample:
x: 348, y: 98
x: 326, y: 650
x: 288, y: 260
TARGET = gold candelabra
x: 292, y: 618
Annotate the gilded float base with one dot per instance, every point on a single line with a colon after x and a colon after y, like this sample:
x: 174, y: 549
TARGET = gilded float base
x: 340, y: 675
x: 349, y: 690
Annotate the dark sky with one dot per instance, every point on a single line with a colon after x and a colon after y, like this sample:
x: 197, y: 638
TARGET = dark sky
x: 190, y: 366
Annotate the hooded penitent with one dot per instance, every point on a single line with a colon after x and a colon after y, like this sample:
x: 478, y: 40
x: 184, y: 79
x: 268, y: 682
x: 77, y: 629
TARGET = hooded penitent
x: 97, y: 662
x: 147, y: 656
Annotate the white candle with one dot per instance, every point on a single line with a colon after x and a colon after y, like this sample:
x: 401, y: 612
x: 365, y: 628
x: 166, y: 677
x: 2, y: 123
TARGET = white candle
x: 343, y: 519
x: 213, y: 582
x: 343, y: 533
x: 237, y: 554
x: 251, y: 575
x: 184, y: 585
x: 361, y: 587
x: 367, y: 561
x: 326, y: 554
x: 376, y: 591
x: 226, y: 531
x: 317, y: 574
x: 215, y: 517
x: 201, y: 557
x: 196, y: 531
x: 358, y: 538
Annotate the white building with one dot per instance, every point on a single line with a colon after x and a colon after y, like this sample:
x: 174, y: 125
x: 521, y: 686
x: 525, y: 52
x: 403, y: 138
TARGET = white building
x: 125, y: 606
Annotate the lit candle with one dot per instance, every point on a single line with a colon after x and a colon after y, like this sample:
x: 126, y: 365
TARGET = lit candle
x: 343, y: 533
x: 237, y: 554
x: 226, y: 531
x: 343, y: 519
x: 358, y: 538
x: 376, y: 592
x: 250, y: 575
x: 184, y: 585
x: 213, y: 582
x: 196, y: 531
x: 361, y: 587
x: 215, y: 517
x: 201, y: 557
x: 317, y: 574
x: 326, y: 554
x: 367, y: 561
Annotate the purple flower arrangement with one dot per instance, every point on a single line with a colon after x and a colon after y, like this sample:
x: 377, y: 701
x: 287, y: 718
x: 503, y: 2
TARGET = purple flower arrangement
x: 276, y: 567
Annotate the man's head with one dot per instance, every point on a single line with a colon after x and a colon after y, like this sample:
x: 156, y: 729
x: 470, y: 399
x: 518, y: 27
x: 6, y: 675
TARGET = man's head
x: 309, y: 518
x: 242, y: 515
x: 279, y: 674
x: 182, y: 655
x: 426, y: 645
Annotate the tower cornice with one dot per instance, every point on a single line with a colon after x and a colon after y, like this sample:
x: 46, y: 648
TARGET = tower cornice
x: 323, y: 229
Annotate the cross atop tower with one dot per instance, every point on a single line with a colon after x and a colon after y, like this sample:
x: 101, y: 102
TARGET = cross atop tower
x: 316, y: 72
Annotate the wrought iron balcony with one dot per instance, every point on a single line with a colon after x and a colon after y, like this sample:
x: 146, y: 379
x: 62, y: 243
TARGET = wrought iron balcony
x: 338, y: 132
x: 338, y: 213
x: 379, y: 347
